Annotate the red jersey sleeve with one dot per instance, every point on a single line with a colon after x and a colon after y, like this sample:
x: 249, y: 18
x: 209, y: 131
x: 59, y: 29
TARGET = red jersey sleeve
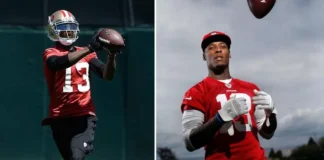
x: 255, y: 87
x: 193, y: 99
x: 50, y: 52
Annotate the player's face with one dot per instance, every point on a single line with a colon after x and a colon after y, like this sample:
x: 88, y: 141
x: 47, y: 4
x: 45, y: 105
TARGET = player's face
x: 217, y: 54
x: 67, y: 34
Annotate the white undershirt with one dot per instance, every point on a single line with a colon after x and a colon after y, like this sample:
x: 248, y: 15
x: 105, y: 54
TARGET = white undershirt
x: 226, y: 80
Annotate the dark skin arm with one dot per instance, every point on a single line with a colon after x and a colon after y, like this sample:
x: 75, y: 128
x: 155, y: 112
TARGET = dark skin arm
x: 110, y: 67
x: 201, y: 135
x: 75, y: 56
x: 61, y: 62
x: 267, y: 131
x: 104, y: 71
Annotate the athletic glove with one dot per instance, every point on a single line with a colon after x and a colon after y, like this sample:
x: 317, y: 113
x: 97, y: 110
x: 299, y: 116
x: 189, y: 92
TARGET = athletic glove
x: 233, y: 108
x: 263, y: 101
x: 94, y: 44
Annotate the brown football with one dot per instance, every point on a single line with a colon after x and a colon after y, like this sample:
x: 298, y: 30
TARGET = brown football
x: 111, y: 39
x: 260, y: 8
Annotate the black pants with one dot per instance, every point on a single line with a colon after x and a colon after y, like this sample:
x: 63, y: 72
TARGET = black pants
x: 74, y: 136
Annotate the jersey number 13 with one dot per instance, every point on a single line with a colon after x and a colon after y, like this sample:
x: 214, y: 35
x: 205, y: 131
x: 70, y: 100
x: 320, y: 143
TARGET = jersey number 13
x: 67, y: 88
x: 241, y: 127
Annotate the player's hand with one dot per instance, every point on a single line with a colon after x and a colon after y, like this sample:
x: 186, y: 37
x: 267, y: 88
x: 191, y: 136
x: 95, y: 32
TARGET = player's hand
x: 233, y: 108
x: 260, y: 117
x: 263, y: 101
x: 95, y: 44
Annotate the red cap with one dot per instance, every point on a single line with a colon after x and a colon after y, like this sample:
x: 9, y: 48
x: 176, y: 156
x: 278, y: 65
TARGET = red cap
x: 213, y: 37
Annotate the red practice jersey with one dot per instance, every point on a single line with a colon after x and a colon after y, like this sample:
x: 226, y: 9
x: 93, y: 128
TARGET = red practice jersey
x: 236, y: 140
x: 69, y: 89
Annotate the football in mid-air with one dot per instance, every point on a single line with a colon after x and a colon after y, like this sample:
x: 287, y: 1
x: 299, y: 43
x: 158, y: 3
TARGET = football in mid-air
x: 111, y: 39
x: 260, y: 8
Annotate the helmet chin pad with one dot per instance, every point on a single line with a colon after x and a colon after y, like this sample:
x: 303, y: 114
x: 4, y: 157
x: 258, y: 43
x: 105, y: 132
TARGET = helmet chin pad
x: 66, y: 41
x: 67, y: 38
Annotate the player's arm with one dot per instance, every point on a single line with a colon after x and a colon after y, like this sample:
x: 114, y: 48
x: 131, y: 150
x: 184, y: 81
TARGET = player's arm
x: 265, y: 114
x: 269, y: 127
x: 196, y: 133
x: 110, y: 67
x: 104, y: 71
x: 57, y: 62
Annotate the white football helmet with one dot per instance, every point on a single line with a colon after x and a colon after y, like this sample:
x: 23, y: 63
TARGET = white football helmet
x: 63, y: 27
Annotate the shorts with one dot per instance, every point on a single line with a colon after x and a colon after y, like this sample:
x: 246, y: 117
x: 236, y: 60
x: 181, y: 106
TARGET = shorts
x: 74, y: 136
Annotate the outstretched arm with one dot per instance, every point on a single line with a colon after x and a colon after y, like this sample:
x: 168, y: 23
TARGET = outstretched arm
x: 104, y: 71
x: 57, y: 63
x: 110, y: 67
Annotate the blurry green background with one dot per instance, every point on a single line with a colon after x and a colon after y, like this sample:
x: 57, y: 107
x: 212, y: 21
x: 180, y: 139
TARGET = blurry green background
x: 125, y: 106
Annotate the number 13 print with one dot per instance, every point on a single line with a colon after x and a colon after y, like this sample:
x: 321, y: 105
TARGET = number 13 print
x: 228, y: 127
x: 67, y: 88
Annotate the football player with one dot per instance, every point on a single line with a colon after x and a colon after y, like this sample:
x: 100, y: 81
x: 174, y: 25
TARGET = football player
x: 225, y: 114
x: 72, y: 116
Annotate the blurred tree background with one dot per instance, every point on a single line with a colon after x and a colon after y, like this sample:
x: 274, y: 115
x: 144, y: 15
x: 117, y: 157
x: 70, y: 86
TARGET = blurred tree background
x: 313, y: 150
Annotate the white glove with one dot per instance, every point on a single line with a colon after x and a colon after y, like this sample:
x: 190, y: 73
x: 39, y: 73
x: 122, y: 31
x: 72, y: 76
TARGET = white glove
x: 233, y: 108
x: 260, y: 117
x: 263, y: 100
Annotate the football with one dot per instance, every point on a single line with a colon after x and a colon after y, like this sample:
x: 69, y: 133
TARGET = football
x: 111, y: 39
x: 260, y: 8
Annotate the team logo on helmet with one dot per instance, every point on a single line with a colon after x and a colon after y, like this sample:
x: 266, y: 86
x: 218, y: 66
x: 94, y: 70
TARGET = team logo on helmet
x: 52, y: 17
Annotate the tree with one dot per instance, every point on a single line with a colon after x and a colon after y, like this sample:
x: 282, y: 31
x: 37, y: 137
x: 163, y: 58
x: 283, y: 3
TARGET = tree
x: 166, y: 153
x: 312, y: 150
x: 311, y: 142
x: 307, y: 152
x: 272, y: 153
x: 279, y: 154
x: 321, y: 142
